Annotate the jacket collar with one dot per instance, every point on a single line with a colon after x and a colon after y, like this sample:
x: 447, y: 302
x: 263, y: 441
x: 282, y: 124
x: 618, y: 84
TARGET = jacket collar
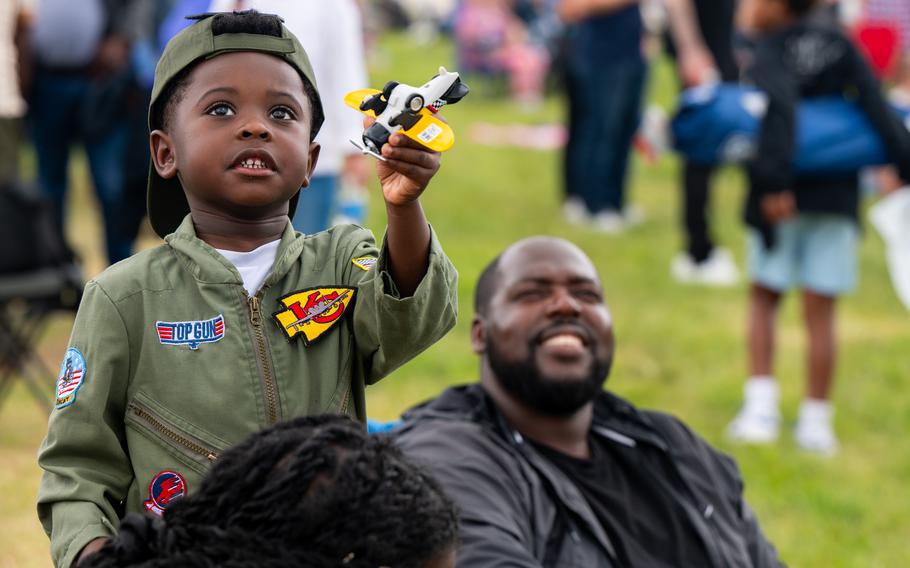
x: 614, y: 418
x: 207, y: 265
x: 612, y: 414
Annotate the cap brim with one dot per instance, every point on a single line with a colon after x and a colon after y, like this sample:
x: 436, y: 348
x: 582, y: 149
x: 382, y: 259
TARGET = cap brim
x: 167, y: 205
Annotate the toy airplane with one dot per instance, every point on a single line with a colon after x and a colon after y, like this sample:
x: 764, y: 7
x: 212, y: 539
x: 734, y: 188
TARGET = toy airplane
x: 409, y: 109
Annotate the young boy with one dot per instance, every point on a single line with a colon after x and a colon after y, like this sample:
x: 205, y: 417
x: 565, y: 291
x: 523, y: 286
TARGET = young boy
x: 804, y: 229
x: 237, y: 321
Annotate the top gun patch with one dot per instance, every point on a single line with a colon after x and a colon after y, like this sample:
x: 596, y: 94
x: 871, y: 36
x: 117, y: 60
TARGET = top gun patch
x: 313, y: 311
x: 72, y: 376
x: 365, y: 263
x: 190, y: 333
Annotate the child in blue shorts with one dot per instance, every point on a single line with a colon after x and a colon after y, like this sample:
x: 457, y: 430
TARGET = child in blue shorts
x: 804, y: 231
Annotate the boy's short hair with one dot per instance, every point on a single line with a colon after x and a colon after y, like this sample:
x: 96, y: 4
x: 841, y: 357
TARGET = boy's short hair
x: 209, y: 36
x: 313, y: 491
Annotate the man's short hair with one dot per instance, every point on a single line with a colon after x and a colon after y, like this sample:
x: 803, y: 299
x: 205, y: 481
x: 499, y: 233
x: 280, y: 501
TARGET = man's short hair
x: 486, y: 286
x: 313, y: 491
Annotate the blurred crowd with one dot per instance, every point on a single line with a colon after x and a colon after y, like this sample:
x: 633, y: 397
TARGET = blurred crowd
x: 80, y: 73
x: 89, y: 85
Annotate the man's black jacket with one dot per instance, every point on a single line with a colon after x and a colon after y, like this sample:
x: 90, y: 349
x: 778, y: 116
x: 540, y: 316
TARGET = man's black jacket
x: 519, y: 510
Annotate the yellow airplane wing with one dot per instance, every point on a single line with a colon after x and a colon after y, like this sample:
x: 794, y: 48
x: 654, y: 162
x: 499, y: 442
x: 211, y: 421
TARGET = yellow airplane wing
x: 431, y: 132
x: 354, y: 98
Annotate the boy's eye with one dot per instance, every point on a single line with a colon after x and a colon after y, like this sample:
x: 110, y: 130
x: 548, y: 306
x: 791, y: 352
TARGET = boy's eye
x: 282, y: 113
x: 220, y: 109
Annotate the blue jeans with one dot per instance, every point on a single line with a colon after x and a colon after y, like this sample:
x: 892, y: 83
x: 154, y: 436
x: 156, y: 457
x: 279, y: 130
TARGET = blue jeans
x: 316, y: 205
x: 56, y: 111
x: 604, y: 111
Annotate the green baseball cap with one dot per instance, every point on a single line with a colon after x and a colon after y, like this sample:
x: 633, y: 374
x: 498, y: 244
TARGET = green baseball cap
x: 167, y: 205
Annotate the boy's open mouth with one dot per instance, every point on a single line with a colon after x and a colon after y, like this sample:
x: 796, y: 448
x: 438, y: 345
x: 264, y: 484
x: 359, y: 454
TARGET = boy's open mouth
x: 254, y: 163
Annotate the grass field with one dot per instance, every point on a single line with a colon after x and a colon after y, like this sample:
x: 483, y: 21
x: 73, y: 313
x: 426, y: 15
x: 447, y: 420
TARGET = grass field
x: 679, y: 349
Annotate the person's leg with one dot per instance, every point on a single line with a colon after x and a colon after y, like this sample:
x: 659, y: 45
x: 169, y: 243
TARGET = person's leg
x: 618, y: 129
x: 53, y: 115
x: 314, y: 209
x: 106, y: 159
x: 763, y: 304
x: 696, y: 180
x: 828, y: 270
x: 701, y: 262
x: 758, y: 420
x: 818, y: 311
x: 584, y: 150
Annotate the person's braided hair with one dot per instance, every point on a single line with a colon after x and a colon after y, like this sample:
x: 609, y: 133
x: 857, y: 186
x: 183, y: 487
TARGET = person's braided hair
x: 314, y: 491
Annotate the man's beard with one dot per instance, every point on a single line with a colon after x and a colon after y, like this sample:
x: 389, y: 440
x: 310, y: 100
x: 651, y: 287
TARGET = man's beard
x: 551, y: 396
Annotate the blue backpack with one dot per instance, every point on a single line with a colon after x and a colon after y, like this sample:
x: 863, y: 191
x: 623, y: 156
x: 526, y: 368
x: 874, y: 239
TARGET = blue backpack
x: 720, y: 124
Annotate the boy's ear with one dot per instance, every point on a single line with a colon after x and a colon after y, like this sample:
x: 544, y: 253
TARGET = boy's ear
x: 163, y: 156
x: 314, y: 157
x: 478, y: 335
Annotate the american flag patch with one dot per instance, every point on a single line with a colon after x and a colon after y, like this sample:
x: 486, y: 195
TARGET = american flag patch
x: 191, y: 333
x: 71, y: 378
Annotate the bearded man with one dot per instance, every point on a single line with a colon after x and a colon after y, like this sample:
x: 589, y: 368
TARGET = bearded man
x: 548, y: 469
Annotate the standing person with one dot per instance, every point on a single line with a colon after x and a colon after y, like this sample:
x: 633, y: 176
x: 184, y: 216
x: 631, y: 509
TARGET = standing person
x: 803, y: 230
x: 238, y: 321
x: 702, y: 41
x: 547, y: 469
x: 605, y: 75
x: 332, y: 35
x: 81, y: 52
x: 15, y: 21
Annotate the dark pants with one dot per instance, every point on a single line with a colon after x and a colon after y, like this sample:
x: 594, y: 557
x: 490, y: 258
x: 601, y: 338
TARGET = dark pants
x: 604, y: 112
x: 696, y: 181
x: 717, y: 29
x: 57, y: 117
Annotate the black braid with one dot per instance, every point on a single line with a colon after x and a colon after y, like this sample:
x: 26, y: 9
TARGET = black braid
x: 314, y: 491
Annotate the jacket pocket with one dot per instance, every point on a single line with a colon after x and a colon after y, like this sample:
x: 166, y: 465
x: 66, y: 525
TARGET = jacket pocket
x: 192, y: 448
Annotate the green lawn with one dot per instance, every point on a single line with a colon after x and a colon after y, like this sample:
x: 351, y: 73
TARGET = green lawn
x: 680, y: 349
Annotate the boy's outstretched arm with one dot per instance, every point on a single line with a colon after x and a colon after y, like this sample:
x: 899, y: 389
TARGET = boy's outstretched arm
x: 404, y: 176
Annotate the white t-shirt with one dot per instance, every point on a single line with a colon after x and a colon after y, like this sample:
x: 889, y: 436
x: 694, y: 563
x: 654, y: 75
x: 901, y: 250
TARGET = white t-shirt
x: 254, y: 265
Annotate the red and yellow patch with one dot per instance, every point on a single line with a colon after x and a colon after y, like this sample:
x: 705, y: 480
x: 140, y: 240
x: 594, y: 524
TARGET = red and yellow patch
x: 312, y: 312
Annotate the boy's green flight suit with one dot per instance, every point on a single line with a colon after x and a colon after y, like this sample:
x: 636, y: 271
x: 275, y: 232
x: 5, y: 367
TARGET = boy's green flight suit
x: 170, y: 362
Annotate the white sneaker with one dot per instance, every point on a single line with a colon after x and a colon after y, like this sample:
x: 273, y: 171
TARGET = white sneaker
x: 575, y: 211
x: 609, y: 221
x: 814, y: 430
x: 758, y: 421
x: 633, y: 215
x: 716, y: 270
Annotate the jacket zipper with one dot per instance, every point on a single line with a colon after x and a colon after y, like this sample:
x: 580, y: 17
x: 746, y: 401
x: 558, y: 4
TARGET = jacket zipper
x: 345, y: 401
x: 270, y: 390
x: 172, y: 434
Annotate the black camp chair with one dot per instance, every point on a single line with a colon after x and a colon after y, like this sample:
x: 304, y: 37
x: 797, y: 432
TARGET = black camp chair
x: 38, y: 276
x: 26, y: 303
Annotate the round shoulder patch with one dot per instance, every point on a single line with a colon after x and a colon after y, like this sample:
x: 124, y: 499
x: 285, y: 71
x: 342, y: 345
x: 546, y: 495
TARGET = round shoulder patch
x: 165, y: 488
x: 71, y: 378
